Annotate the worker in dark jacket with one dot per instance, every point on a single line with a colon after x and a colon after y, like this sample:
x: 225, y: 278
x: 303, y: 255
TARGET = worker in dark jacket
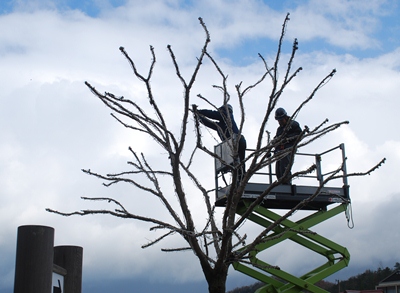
x: 287, y: 134
x: 224, y: 123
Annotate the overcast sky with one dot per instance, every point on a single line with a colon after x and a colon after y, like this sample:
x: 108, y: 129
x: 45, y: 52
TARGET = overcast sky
x: 52, y: 126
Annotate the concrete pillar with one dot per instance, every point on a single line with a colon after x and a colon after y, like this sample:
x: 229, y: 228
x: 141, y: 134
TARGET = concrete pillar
x: 34, y: 259
x: 70, y: 258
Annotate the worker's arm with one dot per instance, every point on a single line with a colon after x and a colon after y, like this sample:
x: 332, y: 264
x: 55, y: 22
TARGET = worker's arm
x: 205, y: 114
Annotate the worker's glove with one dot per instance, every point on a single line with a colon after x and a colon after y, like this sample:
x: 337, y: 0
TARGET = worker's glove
x: 194, y: 109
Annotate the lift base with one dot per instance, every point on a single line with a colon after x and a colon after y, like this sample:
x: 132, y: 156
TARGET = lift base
x: 277, y: 280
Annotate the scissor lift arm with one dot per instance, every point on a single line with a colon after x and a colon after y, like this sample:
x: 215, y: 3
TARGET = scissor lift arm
x: 277, y: 280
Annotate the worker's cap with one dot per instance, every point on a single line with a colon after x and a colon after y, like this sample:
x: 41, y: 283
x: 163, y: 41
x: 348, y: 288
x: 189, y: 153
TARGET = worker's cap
x: 280, y: 113
x: 230, y: 108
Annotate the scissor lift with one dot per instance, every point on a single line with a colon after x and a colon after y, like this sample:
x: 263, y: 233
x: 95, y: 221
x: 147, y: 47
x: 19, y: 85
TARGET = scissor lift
x: 330, y: 201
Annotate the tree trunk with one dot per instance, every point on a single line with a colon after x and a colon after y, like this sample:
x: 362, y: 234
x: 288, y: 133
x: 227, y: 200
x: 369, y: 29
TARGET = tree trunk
x: 216, y: 279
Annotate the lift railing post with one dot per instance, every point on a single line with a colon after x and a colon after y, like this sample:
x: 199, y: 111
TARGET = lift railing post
x: 320, y: 177
x: 270, y: 173
x: 344, y: 169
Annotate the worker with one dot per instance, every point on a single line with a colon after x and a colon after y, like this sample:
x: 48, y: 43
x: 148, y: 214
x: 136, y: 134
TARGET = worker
x: 287, y: 135
x: 223, y: 122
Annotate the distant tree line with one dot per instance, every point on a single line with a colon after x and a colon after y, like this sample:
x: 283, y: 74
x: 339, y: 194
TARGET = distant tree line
x: 247, y: 289
x: 367, y: 280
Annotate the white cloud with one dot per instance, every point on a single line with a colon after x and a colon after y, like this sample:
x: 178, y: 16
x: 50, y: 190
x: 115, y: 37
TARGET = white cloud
x: 345, y: 24
x: 53, y: 126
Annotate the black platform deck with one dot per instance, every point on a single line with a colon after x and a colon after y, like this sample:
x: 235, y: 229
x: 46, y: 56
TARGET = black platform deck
x: 288, y: 196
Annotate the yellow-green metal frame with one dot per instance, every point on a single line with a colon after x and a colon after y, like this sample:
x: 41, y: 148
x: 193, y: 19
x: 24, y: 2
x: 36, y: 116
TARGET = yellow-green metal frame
x: 279, y: 281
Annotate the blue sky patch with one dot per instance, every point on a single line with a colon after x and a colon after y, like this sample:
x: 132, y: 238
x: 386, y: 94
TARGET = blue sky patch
x: 89, y: 7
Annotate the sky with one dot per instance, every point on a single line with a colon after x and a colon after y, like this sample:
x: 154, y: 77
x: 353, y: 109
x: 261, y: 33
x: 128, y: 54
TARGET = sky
x: 52, y: 126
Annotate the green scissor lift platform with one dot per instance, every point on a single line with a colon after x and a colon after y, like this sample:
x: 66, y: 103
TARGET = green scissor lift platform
x: 330, y: 202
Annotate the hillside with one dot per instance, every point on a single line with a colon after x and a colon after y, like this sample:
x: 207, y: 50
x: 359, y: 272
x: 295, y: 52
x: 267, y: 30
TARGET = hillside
x: 364, y: 281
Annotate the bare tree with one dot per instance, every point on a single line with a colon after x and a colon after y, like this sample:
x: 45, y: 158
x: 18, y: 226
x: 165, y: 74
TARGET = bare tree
x: 214, y: 245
